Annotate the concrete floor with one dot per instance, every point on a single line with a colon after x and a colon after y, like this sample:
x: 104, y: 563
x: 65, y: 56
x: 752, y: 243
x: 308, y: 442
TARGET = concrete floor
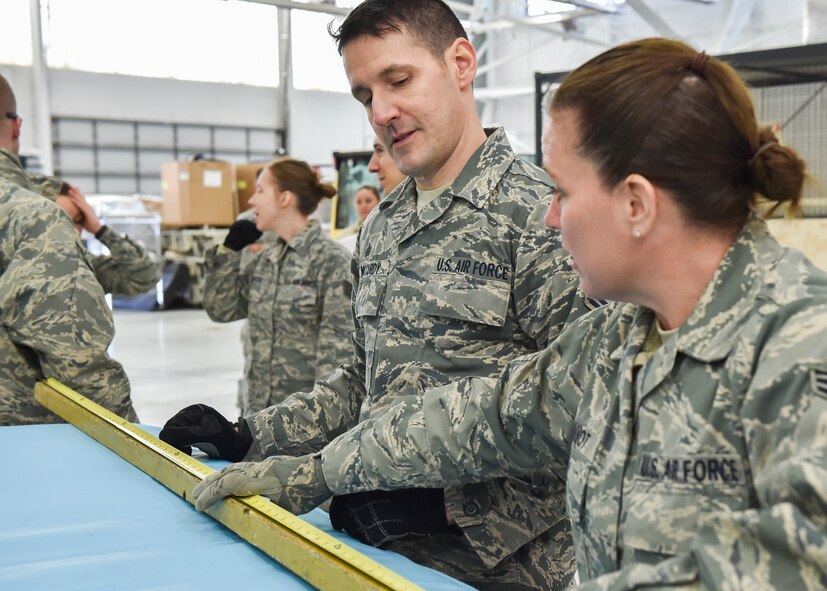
x: 178, y: 357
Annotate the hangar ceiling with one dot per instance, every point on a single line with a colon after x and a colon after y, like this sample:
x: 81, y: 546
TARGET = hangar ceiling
x: 718, y: 26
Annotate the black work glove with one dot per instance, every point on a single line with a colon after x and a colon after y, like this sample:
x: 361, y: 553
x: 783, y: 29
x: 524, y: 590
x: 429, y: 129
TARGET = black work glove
x: 379, y: 516
x: 204, y: 427
x: 241, y: 234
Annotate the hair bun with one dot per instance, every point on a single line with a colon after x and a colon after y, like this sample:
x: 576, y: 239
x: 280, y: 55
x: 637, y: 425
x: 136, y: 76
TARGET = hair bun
x: 327, y: 190
x: 777, y: 171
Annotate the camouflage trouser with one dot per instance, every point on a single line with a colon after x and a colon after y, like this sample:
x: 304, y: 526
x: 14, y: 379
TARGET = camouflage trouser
x: 545, y: 563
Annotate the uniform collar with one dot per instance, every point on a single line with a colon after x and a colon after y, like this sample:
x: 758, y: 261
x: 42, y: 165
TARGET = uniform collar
x: 301, y: 243
x: 478, y: 179
x: 715, y: 325
x: 12, y: 168
x: 713, y: 328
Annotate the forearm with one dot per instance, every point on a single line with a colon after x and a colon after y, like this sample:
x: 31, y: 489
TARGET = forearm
x: 546, y: 292
x: 225, y: 287
x: 307, y: 421
x: 469, y: 431
x: 128, y: 269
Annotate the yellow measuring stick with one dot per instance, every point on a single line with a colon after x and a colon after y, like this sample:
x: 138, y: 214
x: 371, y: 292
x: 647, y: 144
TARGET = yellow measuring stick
x: 321, y: 560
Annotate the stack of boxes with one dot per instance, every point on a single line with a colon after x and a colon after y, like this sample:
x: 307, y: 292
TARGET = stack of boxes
x: 201, y: 199
x: 205, y: 193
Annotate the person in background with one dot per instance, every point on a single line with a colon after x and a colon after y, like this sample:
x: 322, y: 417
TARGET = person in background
x: 247, y: 253
x: 454, y: 275
x: 692, y: 417
x: 383, y: 166
x: 295, y: 293
x: 364, y: 200
x: 127, y: 269
x: 54, y: 322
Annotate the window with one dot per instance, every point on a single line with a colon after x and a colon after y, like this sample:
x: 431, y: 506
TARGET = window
x: 205, y: 40
x: 16, y: 48
x: 317, y: 64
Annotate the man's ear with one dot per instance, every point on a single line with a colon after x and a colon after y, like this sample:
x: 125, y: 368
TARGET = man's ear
x: 640, y: 204
x: 16, y: 124
x: 463, y: 57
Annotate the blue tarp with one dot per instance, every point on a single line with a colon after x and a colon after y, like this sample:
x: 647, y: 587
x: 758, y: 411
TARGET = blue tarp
x: 75, y: 516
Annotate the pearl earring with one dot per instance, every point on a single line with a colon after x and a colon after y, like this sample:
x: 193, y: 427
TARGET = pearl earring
x: 636, y: 233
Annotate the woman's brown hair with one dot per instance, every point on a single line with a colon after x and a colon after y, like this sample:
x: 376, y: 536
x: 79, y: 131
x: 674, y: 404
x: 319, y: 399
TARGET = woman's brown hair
x: 297, y: 177
x: 684, y: 121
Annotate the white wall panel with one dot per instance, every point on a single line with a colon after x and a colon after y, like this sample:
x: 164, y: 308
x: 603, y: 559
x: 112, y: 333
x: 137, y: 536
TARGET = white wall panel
x: 324, y: 122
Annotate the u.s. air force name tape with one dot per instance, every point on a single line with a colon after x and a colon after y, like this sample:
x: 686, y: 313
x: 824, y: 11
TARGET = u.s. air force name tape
x: 321, y: 560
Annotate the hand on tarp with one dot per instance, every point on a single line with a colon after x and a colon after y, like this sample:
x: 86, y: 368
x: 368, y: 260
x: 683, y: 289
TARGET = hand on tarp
x: 204, y: 427
x: 295, y: 484
x: 241, y: 234
x: 380, y: 516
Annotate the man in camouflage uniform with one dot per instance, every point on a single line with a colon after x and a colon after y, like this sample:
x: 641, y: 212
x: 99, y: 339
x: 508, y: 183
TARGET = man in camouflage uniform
x: 55, y: 322
x: 442, y: 289
x: 128, y: 269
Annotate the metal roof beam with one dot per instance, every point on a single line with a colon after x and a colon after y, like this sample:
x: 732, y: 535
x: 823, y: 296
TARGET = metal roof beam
x: 730, y: 27
x: 310, y: 7
x: 653, y: 19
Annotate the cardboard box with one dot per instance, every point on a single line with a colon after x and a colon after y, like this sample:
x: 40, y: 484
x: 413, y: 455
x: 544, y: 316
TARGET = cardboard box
x: 197, y: 193
x: 245, y: 176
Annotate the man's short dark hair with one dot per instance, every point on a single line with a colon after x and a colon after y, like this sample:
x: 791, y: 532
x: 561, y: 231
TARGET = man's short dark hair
x: 430, y: 22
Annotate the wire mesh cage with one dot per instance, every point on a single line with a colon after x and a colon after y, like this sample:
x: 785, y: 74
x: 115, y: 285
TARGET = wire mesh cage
x: 789, y: 87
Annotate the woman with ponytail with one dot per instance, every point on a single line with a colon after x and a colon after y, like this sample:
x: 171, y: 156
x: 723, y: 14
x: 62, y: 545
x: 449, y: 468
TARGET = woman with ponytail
x: 690, y: 417
x: 295, y: 293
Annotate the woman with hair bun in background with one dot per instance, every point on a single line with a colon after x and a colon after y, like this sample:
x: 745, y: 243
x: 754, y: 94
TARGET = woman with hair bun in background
x: 295, y: 293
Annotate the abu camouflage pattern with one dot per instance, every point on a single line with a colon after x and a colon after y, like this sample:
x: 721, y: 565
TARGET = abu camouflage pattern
x: 188, y: 247
x: 12, y: 170
x: 703, y: 469
x: 246, y: 342
x: 126, y: 270
x: 55, y: 321
x: 457, y: 289
x: 49, y: 187
x: 296, y: 297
